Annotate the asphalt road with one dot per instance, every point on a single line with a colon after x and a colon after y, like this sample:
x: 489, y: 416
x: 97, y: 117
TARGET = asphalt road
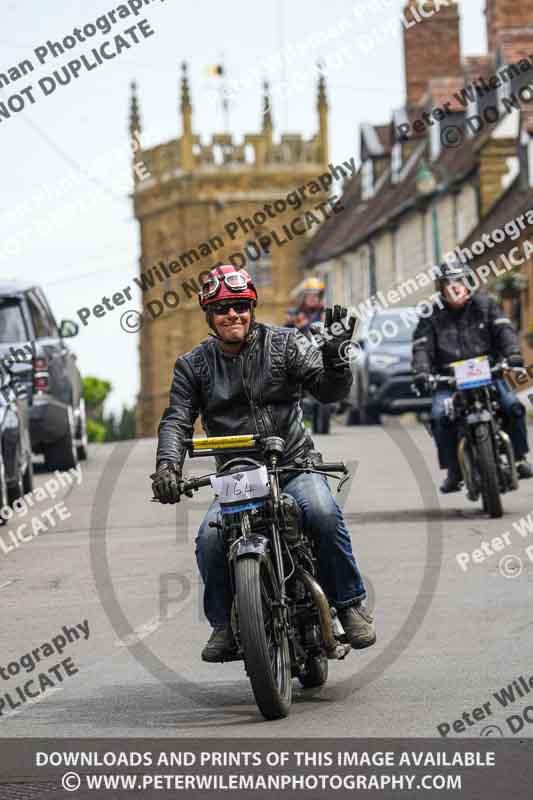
x: 448, y: 639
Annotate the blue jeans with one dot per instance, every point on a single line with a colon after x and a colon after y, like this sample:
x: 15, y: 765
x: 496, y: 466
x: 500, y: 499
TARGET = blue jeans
x: 338, y: 573
x: 445, y: 431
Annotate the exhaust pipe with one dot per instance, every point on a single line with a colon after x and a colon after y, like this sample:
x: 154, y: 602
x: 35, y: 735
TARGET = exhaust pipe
x: 513, y: 474
x: 466, y: 469
x: 334, y: 649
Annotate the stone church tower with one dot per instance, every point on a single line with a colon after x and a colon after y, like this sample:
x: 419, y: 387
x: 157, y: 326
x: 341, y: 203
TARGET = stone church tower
x: 199, y: 205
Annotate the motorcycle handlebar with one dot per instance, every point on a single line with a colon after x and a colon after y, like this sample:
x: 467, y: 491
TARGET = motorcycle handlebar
x: 193, y: 484
x: 503, y: 366
x: 330, y: 466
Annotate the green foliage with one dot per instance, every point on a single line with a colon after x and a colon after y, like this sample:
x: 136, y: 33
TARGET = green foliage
x: 96, y: 431
x: 105, y: 427
x: 95, y: 392
x: 119, y: 429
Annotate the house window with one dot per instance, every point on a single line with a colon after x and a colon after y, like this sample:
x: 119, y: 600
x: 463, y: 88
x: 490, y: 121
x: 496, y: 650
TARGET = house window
x: 367, y: 189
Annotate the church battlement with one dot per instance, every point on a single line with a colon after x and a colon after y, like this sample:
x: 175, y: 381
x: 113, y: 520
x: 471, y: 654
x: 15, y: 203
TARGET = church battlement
x: 256, y: 152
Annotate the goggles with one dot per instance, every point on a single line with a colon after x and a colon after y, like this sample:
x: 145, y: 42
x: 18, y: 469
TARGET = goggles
x: 235, y: 281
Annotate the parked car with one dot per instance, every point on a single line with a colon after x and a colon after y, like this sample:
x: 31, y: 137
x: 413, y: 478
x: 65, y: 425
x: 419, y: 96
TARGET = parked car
x: 383, y: 374
x: 29, y: 332
x: 16, y: 467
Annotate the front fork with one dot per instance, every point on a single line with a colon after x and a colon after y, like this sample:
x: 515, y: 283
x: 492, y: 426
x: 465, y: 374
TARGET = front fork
x: 467, y: 446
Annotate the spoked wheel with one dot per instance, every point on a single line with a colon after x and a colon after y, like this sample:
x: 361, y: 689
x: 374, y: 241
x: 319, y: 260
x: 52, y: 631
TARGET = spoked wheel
x: 488, y: 473
x: 264, y: 641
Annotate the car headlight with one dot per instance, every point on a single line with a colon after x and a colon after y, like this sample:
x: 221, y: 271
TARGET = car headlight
x: 381, y: 360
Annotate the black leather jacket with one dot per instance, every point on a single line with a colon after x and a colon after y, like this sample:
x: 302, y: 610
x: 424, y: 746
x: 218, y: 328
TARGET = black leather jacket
x: 478, y: 328
x: 257, y: 391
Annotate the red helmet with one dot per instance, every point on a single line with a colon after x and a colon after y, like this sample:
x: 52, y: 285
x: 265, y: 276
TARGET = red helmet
x: 226, y: 283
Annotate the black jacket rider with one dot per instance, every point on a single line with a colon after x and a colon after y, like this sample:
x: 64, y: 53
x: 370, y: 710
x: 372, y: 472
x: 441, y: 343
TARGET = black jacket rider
x: 256, y: 391
x: 479, y: 328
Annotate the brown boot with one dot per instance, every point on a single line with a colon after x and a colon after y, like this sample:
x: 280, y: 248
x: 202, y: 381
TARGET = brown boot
x: 359, y: 626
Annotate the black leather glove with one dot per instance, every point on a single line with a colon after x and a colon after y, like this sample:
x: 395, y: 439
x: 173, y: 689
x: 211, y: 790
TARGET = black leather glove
x: 337, y: 334
x: 421, y: 381
x: 167, y: 485
x: 515, y: 360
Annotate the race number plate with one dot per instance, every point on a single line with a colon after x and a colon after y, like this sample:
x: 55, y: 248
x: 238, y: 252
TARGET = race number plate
x: 242, y: 486
x: 472, y: 372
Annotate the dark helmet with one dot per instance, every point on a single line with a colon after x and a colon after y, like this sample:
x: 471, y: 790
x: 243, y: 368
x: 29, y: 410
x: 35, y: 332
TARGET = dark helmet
x: 452, y: 272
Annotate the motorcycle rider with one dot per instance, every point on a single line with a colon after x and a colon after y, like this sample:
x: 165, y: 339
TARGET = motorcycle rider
x: 247, y: 378
x: 462, y: 325
x: 312, y: 299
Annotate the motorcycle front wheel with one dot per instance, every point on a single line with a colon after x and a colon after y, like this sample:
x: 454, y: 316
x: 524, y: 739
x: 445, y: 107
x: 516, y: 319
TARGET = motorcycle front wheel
x: 264, y: 644
x: 488, y: 473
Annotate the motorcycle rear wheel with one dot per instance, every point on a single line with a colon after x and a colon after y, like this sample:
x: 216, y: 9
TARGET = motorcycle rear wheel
x: 267, y: 660
x: 488, y: 473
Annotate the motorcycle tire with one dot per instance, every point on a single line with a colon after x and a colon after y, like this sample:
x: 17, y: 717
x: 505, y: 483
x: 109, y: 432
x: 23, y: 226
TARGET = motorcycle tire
x: 316, y: 672
x: 488, y: 473
x: 268, y: 664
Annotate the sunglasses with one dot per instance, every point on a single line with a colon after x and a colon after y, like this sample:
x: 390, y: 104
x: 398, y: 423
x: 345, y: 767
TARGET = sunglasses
x: 235, y: 281
x: 239, y: 306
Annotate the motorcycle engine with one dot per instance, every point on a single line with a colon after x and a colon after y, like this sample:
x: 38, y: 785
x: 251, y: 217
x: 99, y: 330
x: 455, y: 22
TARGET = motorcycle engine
x: 292, y: 519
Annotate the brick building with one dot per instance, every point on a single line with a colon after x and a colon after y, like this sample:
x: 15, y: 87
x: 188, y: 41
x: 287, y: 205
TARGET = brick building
x: 203, y: 204
x: 451, y: 164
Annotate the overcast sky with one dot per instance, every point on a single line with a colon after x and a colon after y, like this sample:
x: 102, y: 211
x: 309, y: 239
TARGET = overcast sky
x: 77, y: 236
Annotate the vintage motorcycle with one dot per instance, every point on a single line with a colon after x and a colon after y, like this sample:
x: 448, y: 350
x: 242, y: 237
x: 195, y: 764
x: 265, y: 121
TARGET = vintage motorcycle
x: 282, y: 621
x: 485, y: 451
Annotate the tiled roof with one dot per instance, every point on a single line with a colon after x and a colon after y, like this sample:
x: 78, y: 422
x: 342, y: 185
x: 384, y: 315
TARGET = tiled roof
x: 360, y: 219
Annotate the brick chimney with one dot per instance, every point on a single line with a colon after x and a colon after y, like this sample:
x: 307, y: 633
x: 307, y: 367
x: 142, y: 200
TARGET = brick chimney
x: 503, y: 15
x: 432, y: 46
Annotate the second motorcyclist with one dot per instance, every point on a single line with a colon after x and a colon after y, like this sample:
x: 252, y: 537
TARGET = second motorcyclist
x: 463, y: 325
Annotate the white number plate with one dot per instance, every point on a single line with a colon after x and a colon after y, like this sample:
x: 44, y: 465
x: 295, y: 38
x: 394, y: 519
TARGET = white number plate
x: 242, y: 486
x: 472, y: 372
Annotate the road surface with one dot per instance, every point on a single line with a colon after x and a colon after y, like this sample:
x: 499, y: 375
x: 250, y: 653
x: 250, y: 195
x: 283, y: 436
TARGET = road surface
x: 123, y: 569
